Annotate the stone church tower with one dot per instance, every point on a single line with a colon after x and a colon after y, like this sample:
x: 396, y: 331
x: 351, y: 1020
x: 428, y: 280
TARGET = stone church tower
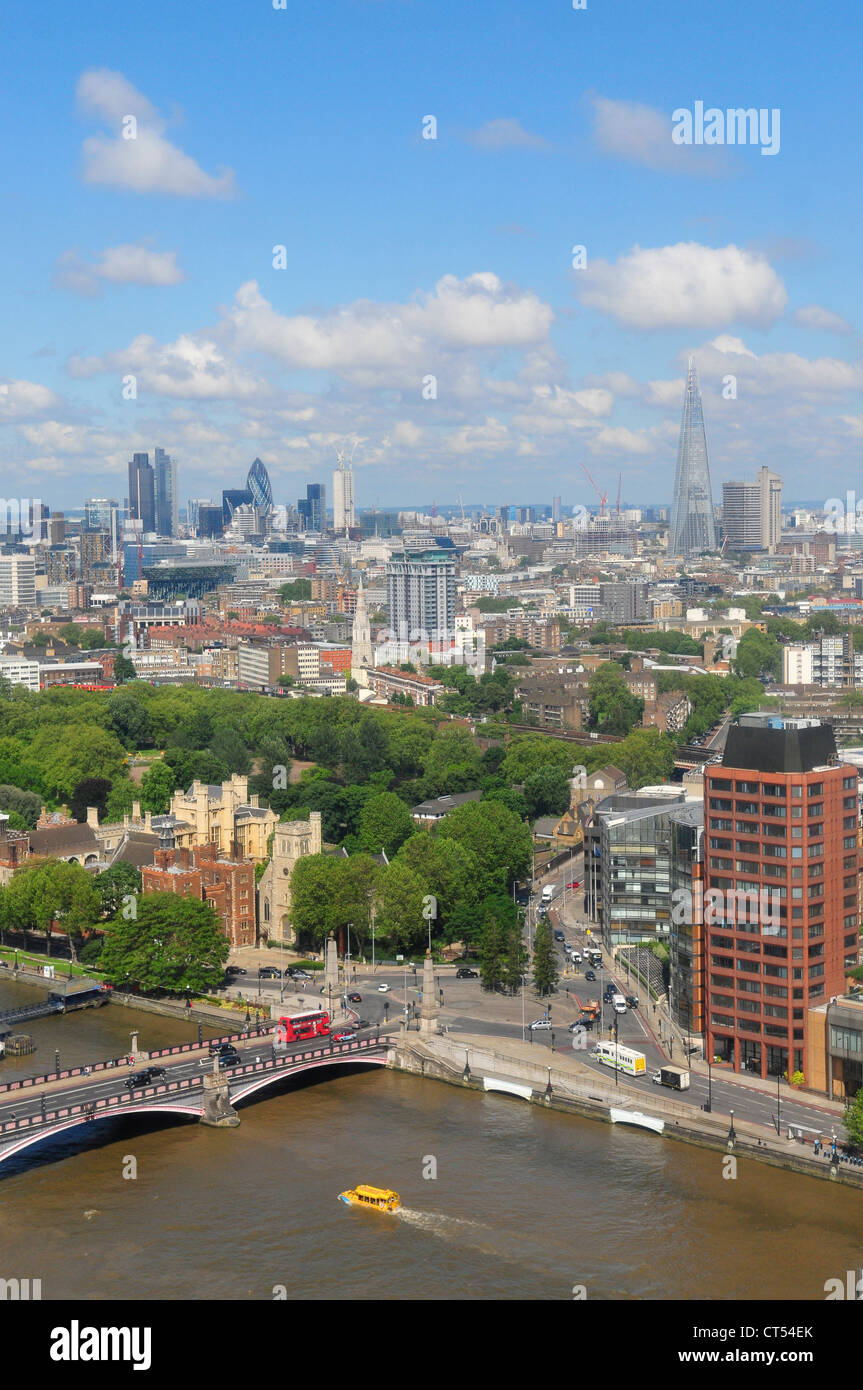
x: 361, y: 641
x: 291, y: 841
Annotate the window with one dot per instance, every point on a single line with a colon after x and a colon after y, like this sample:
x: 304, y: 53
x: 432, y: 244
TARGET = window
x: 773, y: 789
x: 778, y: 812
x: 849, y: 803
x: 849, y: 784
x: 816, y: 809
x: 845, y: 1039
x: 753, y: 787
x: 720, y: 804
x: 746, y: 827
x: 716, y: 843
x: 815, y: 789
x: 797, y: 792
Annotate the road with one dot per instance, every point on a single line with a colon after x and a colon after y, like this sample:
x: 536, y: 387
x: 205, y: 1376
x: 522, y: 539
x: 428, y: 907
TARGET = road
x: 636, y: 1029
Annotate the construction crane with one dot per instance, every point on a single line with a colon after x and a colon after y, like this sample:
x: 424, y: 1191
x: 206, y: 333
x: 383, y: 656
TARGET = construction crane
x: 603, y: 496
x: 619, y: 485
x: 461, y: 504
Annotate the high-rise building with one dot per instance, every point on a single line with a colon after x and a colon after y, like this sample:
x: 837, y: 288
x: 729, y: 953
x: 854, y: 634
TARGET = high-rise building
x: 17, y: 581
x: 259, y: 485
x: 344, y: 516
x: 752, y: 512
x: 421, y: 595
x: 96, y: 554
x: 232, y: 498
x: 555, y: 509
x: 209, y: 521
x: 780, y: 903
x: 313, y: 507
x: 142, y: 492
x: 692, y: 528
x: 166, y: 493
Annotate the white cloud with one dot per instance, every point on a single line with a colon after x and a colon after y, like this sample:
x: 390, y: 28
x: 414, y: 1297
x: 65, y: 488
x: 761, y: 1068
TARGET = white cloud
x: 620, y: 439
x: 642, y: 135
x: 193, y: 367
x: 505, y: 133
x: 684, y: 286
x: 22, y: 400
x: 479, y: 312
x: 127, y: 264
x: 147, y: 163
x: 821, y: 320
x: 777, y: 373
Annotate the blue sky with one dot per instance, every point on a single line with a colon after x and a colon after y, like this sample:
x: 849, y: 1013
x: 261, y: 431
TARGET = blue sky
x: 408, y: 258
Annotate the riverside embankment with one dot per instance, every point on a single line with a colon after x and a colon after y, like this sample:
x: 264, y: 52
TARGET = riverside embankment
x: 468, y: 1061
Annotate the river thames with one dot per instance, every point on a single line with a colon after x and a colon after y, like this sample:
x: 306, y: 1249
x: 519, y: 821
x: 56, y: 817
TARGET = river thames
x: 526, y: 1203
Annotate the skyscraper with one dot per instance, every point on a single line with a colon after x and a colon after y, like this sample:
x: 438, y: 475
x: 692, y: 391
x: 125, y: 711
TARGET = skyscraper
x: 344, y: 516
x: 313, y: 507
x: 421, y: 595
x: 258, y: 484
x: 692, y: 529
x: 142, y: 492
x: 166, y: 493
x: 752, y: 512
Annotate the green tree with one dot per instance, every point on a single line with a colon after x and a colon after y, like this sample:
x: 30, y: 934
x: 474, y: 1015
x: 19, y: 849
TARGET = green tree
x: 501, y: 844
x: 613, y: 708
x: 758, y: 655
x: 124, y: 669
x: 528, y: 752
x: 26, y: 805
x: 157, y: 787
x: 83, y: 751
x: 646, y: 757
x: 116, y: 883
x: 385, y: 824
x: 130, y: 718
x: 52, y: 894
x: 449, y: 872
x: 516, y: 960
x: 545, y: 971
x: 853, y: 1121
x: 295, y: 591
x: 492, y: 953
x: 547, y: 792
x: 170, y: 943
x: 399, y: 917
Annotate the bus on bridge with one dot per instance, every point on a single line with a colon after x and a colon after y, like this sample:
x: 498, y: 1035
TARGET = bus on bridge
x: 300, y: 1027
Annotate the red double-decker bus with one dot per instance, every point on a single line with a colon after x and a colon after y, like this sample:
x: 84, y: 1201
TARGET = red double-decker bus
x: 300, y: 1027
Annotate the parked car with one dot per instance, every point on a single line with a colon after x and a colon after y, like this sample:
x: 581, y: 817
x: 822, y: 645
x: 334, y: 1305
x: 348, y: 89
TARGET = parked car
x: 632, y: 1001
x: 355, y: 998
x: 383, y: 989
x: 589, y: 975
x: 467, y: 974
x: 270, y: 972
x: 346, y: 1036
x: 234, y: 970
x: 540, y: 1023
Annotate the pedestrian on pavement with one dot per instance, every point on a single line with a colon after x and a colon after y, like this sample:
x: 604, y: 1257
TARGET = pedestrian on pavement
x: 817, y: 1147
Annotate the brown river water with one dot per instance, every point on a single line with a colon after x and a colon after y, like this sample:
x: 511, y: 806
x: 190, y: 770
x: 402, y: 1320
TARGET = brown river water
x: 526, y: 1203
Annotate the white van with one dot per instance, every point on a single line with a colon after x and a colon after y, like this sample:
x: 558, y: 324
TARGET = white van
x: 575, y: 956
x: 618, y: 1003
x: 547, y: 893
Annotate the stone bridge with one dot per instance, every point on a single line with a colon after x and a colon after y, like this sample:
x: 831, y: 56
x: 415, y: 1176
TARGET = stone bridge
x: 207, y: 1096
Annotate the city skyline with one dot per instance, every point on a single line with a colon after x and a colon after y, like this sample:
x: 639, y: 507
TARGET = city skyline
x: 457, y: 335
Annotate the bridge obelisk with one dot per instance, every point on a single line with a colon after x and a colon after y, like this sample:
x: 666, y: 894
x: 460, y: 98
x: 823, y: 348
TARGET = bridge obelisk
x: 218, y: 1110
x: 429, y: 1013
x: 331, y: 969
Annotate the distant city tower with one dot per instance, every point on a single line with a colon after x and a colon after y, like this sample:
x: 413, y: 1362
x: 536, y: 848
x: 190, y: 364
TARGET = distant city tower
x: 258, y: 484
x: 692, y: 529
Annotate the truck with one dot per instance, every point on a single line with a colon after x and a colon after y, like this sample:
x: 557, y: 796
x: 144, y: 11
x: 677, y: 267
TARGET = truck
x: 675, y: 1077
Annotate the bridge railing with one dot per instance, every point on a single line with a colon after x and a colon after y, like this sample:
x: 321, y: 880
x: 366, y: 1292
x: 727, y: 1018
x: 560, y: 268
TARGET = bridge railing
x: 27, y: 1081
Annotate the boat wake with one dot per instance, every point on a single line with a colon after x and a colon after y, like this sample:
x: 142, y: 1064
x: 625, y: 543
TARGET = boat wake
x: 438, y: 1224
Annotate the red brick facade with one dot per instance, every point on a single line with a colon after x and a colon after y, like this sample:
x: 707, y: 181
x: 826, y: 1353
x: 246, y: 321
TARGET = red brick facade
x: 229, y: 884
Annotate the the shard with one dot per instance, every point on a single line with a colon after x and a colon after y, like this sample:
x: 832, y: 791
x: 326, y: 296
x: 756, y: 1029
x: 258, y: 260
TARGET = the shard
x: 692, y: 528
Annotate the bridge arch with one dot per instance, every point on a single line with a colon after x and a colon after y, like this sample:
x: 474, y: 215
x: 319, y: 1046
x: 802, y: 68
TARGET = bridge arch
x: 50, y: 1131
x: 257, y: 1083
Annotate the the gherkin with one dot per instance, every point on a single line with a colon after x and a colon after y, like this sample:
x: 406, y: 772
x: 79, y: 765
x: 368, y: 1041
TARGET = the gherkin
x: 258, y: 484
x: 692, y: 529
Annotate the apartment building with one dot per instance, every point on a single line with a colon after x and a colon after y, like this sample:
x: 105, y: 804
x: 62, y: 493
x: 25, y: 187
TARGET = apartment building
x: 781, y: 866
